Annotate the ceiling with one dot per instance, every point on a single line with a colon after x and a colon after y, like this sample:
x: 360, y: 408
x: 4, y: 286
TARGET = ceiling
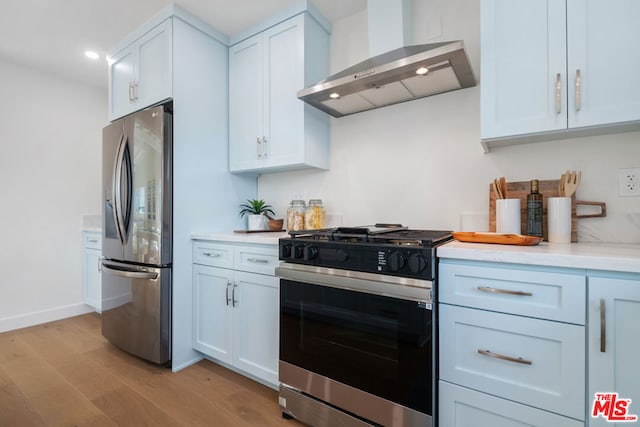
x: 54, y: 34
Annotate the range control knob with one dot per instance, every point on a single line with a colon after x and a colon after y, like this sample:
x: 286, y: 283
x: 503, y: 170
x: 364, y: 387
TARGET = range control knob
x: 342, y: 255
x: 310, y: 253
x: 297, y: 252
x: 417, y: 263
x: 285, y: 251
x: 396, y: 261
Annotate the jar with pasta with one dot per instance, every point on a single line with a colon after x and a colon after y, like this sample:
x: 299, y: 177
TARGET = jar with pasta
x: 315, y: 216
x: 295, y: 215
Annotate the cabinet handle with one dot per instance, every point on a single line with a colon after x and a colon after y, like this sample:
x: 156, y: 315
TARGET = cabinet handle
x: 603, y: 327
x: 558, y: 93
x: 93, y: 241
x: 227, y: 293
x: 264, y: 147
x: 135, y: 90
x: 99, y: 264
x: 503, y: 357
x: 234, y: 301
x: 578, y: 90
x: 210, y: 255
x: 504, y: 291
x: 258, y: 260
x: 258, y: 142
x: 130, y: 92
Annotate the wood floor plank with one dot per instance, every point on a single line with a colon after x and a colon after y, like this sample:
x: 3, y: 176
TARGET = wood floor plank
x: 126, y: 407
x: 15, y: 408
x: 66, y: 374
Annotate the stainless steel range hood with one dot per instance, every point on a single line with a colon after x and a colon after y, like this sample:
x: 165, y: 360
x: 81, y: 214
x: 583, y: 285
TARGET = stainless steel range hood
x: 405, y: 72
x: 392, y: 77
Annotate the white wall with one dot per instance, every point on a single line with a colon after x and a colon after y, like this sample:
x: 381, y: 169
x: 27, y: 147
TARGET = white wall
x: 49, y: 178
x: 420, y: 163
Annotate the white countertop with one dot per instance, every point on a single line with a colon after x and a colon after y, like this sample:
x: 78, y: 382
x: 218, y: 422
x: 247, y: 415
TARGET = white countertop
x: 593, y: 256
x: 269, y: 238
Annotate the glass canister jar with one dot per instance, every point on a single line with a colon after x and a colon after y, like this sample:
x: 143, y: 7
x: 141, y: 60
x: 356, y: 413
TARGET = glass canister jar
x: 295, y: 215
x: 315, y: 216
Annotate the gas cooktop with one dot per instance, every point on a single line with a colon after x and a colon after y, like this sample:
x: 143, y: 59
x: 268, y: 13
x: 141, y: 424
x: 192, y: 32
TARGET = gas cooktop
x: 381, y: 248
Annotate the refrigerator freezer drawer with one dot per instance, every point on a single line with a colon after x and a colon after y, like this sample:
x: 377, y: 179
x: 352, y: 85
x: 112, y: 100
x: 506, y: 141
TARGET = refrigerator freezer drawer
x: 136, y: 309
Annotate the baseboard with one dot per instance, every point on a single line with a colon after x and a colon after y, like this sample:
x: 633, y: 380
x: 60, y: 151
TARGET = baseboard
x: 39, y: 317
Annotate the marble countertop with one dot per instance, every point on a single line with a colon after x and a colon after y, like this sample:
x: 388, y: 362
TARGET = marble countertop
x: 269, y: 238
x: 593, y: 256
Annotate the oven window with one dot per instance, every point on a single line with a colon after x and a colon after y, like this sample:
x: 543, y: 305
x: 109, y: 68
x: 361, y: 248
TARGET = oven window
x: 378, y: 344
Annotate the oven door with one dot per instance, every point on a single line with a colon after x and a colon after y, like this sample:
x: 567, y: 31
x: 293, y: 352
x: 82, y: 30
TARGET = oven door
x: 349, y: 332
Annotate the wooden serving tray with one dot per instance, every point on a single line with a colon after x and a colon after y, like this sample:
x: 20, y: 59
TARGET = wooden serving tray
x: 520, y: 190
x: 502, y: 239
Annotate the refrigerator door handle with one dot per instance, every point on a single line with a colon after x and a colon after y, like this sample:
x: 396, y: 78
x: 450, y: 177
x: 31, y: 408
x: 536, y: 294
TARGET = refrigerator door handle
x: 128, y: 273
x: 117, y: 187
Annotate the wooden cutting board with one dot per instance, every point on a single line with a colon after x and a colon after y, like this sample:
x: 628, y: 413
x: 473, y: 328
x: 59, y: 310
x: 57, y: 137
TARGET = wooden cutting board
x: 502, y: 239
x: 520, y: 190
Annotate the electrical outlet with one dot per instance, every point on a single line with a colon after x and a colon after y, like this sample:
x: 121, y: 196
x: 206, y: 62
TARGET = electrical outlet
x: 629, y: 182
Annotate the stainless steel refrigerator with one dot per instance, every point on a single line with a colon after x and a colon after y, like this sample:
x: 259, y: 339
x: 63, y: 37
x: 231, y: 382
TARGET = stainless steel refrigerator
x: 137, y: 233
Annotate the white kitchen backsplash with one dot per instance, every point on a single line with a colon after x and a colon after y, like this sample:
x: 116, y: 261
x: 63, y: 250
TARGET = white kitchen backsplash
x: 421, y: 162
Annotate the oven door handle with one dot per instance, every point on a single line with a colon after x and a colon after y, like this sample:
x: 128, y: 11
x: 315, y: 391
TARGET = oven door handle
x: 370, y: 283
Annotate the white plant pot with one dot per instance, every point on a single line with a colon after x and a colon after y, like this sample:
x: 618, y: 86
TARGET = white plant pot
x: 257, y: 222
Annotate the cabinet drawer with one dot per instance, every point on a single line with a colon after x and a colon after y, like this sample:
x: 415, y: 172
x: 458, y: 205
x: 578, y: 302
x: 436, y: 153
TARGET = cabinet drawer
x: 462, y: 407
x: 545, y: 295
x: 256, y: 259
x: 213, y: 254
x: 92, y: 240
x: 532, y: 361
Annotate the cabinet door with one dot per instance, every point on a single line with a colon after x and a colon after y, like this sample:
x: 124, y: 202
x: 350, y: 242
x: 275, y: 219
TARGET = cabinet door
x: 121, y: 76
x: 523, y: 67
x: 536, y: 362
x: 212, y: 288
x: 284, y: 77
x: 463, y: 407
x: 256, y: 334
x: 93, y: 278
x: 603, y: 48
x: 614, y: 347
x: 153, y: 83
x: 246, y: 105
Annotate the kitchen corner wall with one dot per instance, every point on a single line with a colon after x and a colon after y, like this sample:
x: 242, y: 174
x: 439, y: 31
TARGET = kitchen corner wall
x: 49, y: 171
x: 421, y: 163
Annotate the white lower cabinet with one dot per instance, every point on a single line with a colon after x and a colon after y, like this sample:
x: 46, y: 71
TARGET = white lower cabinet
x: 92, y: 269
x: 236, y: 307
x: 505, y: 359
x: 464, y: 407
x: 614, y: 346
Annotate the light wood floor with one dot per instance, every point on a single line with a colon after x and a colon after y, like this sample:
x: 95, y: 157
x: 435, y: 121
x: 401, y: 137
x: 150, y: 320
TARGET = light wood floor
x: 65, y: 373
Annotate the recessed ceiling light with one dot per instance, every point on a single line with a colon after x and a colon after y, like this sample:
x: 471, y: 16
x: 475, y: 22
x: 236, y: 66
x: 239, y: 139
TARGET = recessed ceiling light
x: 422, y: 71
x: 334, y: 95
x: 91, y: 55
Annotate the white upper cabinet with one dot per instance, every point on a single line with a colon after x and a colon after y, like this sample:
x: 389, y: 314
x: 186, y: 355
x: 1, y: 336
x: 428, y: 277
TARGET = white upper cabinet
x: 554, y: 68
x: 140, y: 75
x: 270, y: 128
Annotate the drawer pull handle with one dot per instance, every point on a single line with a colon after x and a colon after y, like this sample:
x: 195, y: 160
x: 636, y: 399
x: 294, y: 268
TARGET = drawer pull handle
x: 603, y: 327
x: 209, y: 254
x: 504, y: 291
x: 258, y: 260
x: 503, y: 357
x: 93, y: 241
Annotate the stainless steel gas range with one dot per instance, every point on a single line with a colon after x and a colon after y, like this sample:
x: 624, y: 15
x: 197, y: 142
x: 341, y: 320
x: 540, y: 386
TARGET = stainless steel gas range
x: 357, y: 325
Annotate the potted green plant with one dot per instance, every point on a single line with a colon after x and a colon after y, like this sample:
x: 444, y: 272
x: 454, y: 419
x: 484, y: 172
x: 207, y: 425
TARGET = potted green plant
x: 257, y: 212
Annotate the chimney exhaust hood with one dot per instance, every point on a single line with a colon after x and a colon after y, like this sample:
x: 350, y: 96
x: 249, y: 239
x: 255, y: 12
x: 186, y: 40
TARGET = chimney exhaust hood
x: 399, y: 75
